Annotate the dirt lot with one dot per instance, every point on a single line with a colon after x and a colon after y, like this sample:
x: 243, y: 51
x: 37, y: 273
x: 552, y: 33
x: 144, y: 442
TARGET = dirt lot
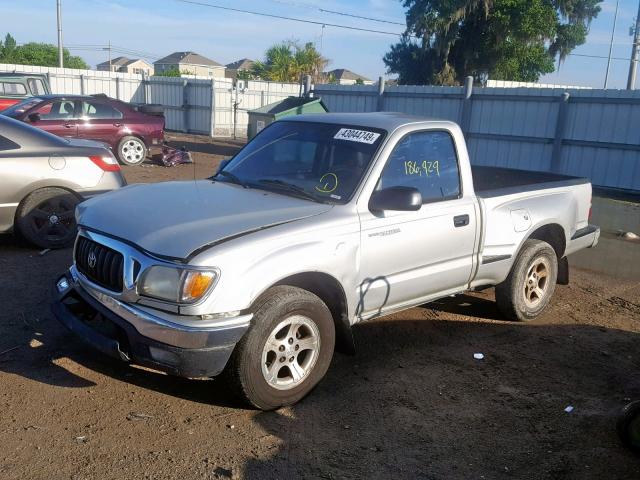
x: 412, y: 403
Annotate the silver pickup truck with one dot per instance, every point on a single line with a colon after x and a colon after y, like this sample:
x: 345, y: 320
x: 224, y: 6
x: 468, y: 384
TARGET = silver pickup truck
x: 320, y: 222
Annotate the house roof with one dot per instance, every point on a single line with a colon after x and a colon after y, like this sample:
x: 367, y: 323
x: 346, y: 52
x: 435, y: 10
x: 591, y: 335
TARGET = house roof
x: 242, y: 64
x: 118, y: 61
x: 344, y: 74
x: 188, y: 58
x: 134, y: 60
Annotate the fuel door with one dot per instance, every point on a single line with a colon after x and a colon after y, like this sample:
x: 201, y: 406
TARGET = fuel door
x: 521, y: 220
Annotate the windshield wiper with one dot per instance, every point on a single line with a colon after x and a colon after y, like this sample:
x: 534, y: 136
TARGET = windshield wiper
x: 231, y: 176
x: 291, y: 188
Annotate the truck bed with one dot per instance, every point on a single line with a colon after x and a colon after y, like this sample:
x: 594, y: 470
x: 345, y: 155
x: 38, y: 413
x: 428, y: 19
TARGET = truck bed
x: 496, y: 181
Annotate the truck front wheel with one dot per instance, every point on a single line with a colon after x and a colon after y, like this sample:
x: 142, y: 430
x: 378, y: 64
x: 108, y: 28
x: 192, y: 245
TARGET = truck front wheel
x: 527, y: 290
x: 286, y: 351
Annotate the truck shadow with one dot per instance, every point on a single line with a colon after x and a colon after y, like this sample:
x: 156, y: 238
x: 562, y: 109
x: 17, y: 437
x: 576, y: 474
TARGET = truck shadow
x: 478, y: 305
x: 414, y: 403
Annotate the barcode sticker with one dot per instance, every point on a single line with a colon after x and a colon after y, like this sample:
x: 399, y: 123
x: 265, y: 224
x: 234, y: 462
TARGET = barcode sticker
x: 352, y: 135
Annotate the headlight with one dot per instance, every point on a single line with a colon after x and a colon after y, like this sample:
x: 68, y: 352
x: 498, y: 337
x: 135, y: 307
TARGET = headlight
x: 176, y: 284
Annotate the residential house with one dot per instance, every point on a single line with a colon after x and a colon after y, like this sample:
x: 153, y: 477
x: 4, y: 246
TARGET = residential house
x: 343, y: 76
x: 237, y: 66
x: 189, y: 63
x: 126, y: 65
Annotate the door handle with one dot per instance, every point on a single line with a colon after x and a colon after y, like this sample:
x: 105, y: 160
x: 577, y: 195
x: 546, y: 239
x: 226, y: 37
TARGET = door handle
x: 460, y: 221
x: 68, y: 125
x: 117, y: 124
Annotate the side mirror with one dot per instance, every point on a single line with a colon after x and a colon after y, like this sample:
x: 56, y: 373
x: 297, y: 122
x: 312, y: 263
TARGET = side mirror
x: 405, y: 199
x: 223, y: 164
x: 34, y: 117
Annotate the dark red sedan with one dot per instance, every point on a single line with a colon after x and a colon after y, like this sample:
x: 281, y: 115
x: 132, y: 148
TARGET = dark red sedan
x: 130, y: 130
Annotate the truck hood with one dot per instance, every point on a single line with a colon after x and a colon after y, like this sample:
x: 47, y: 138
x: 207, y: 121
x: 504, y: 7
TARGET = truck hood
x: 176, y: 219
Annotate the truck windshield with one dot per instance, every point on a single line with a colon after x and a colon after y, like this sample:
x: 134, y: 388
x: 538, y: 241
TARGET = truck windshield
x: 316, y: 161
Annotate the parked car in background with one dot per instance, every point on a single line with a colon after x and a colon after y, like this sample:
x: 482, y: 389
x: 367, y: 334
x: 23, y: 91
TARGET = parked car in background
x: 44, y: 177
x: 320, y: 222
x: 128, y: 129
x: 15, y: 87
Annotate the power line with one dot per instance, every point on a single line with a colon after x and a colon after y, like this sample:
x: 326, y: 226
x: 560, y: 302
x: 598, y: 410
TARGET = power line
x: 596, y: 56
x: 364, y: 18
x: 344, y: 14
x: 282, y: 17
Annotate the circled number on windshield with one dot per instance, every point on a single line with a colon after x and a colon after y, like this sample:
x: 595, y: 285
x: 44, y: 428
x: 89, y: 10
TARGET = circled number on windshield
x: 328, y: 183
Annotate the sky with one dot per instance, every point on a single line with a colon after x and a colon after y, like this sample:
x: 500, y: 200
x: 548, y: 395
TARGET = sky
x: 160, y: 27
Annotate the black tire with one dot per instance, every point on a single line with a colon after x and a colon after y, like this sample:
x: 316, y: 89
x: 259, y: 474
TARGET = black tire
x: 516, y: 297
x: 46, y: 218
x: 244, y: 371
x: 131, y: 150
x: 628, y: 426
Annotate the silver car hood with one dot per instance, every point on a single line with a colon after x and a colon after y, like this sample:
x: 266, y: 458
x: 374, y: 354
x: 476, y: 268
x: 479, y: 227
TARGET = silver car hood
x: 176, y: 219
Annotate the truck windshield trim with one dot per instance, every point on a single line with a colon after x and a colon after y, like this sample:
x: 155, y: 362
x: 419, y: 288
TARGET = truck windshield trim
x: 316, y: 161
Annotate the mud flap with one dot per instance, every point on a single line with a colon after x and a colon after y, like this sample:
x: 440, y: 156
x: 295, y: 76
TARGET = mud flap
x: 563, y: 271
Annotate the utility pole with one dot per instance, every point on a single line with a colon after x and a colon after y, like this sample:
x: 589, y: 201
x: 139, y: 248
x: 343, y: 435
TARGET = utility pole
x: 60, y: 51
x: 633, y: 67
x: 615, y: 20
x: 109, y: 48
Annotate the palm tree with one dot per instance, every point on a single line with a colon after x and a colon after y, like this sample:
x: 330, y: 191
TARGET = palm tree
x: 287, y: 61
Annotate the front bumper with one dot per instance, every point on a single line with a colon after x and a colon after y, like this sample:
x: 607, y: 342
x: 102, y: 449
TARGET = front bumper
x: 192, y: 352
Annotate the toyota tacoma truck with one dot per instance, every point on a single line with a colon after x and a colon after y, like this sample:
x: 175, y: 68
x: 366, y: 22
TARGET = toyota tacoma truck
x: 320, y: 222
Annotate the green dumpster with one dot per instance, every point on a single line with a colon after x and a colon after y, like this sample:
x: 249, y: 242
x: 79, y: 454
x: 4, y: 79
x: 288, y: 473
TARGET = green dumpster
x: 263, y: 116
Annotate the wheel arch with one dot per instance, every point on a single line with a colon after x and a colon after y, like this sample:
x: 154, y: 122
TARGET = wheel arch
x: 554, y: 235
x: 331, y: 292
x: 31, y: 189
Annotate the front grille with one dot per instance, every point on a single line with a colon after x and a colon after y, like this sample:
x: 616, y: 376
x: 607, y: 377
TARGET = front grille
x: 100, y: 264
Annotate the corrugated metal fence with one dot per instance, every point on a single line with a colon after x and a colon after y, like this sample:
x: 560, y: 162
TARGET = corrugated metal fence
x: 587, y: 133
x: 195, y: 105
x: 590, y: 133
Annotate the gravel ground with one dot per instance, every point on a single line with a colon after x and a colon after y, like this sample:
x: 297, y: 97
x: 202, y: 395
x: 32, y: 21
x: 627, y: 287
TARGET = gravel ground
x: 412, y: 403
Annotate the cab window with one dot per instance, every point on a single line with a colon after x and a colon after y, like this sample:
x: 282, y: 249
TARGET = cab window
x: 426, y: 161
x: 11, y: 88
x: 36, y: 86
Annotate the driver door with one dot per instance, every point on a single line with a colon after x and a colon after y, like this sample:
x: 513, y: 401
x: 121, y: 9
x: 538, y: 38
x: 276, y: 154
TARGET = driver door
x: 410, y: 257
x: 57, y: 117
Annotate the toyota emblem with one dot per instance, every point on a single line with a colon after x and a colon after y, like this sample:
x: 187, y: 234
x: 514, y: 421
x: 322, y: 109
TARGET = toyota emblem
x: 91, y: 259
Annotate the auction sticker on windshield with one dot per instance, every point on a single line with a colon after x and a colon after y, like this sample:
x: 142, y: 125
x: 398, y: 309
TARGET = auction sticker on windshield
x: 352, y: 135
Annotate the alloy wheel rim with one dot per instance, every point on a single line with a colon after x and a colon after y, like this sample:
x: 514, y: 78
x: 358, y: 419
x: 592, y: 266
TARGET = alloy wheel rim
x: 132, y: 151
x: 290, y: 352
x: 53, y: 219
x: 536, y: 282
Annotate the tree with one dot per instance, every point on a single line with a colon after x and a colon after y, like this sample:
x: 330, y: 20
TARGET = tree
x: 245, y: 75
x: 170, y: 72
x: 359, y: 81
x: 7, y: 49
x: 287, y: 61
x: 447, y: 40
x: 42, y: 54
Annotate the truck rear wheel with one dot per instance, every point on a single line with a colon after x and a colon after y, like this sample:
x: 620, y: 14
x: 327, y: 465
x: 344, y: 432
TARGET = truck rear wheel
x: 286, y: 351
x: 527, y: 290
